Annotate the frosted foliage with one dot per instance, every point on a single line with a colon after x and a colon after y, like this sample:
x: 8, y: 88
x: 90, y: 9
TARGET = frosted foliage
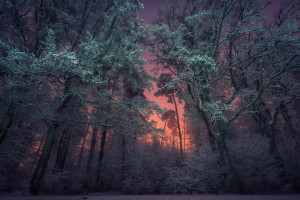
x: 6, y: 3
x: 75, y: 113
x: 115, y: 53
x: 202, y: 172
x: 197, y: 61
x: 62, y: 60
x: 258, y: 169
x: 147, y: 171
x: 139, y: 180
x: 67, y: 182
x: 15, y: 61
x: 127, y: 120
x: 216, y: 109
x: 78, y: 65
x: 196, y: 50
x: 198, y: 19
x: 21, y: 63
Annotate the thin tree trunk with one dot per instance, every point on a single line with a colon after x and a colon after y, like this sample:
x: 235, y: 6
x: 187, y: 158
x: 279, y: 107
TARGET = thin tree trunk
x: 173, y: 141
x: 161, y: 140
x: 62, y: 152
x: 38, y: 174
x: 37, y: 154
x: 6, y: 121
x: 36, y: 180
x: 101, y: 155
x: 287, y: 118
x: 178, y: 123
x: 90, y: 158
x: 123, y: 157
x: 82, y: 146
x: 184, y: 135
x: 282, y: 176
x: 92, y: 150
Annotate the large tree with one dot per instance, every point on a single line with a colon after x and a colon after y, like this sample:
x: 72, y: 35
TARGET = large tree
x: 170, y: 93
x: 193, y: 44
x: 80, y: 69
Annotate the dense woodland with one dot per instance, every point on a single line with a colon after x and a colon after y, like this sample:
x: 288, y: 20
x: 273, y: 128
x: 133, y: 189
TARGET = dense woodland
x: 75, y: 117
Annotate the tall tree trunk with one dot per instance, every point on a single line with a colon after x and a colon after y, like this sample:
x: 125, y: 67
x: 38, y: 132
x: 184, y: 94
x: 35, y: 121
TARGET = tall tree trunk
x: 6, y: 121
x: 92, y: 150
x: 82, y: 146
x: 268, y: 124
x: 38, y: 174
x: 36, y: 180
x: 232, y: 182
x: 123, y: 157
x: 101, y: 155
x: 287, y: 118
x: 184, y: 139
x: 62, y: 152
x: 173, y: 142
x: 90, y: 158
x: 37, y: 154
x: 282, y: 176
x: 161, y: 140
x: 211, y: 141
x: 178, y: 123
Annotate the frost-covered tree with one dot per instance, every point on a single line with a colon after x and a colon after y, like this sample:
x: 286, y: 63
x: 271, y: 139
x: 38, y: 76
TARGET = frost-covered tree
x: 84, y: 53
x: 169, y: 117
x: 24, y: 26
x: 164, y: 79
x: 193, y: 44
x: 202, y: 172
x: 104, y: 61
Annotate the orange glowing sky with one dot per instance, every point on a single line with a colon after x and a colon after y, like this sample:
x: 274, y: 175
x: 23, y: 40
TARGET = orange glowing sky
x: 148, y: 15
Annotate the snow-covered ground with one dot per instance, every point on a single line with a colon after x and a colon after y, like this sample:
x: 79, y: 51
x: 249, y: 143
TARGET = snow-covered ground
x: 155, y: 197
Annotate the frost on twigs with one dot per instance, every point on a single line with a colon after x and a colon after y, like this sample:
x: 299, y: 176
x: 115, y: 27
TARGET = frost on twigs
x: 216, y: 110
x: 202, y: 173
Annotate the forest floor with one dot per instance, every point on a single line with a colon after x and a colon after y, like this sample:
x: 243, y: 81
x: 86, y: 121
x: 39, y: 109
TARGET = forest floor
x: 154, y: 197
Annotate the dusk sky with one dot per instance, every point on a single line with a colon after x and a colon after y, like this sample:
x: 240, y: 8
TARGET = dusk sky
x: 74, y: 121
x: 150, y: 9
x: 149, y: 13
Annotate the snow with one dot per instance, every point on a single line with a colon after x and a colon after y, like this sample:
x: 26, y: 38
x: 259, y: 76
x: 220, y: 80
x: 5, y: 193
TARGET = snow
x: 155, y: 197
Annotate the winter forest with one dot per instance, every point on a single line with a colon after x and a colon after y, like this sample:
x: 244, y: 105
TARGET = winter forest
x: 81, y: 111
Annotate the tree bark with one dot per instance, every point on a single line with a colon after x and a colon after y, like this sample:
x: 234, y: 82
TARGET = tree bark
x: 101, y: 155
x: 161, y: 140
x: 62, y: 152
x: 38, y: 174
x: 268, y: 124
x: 123, y: 157
x: 6, y: 121
x: 211, y: 141
x: 232, y: 181
x: 178, y: 123
x: 282, y: 176
x: 82, y: 146
x: 37, y: 154
x: 36, y: 180
x: 92, y: 150
x: 287, y: 118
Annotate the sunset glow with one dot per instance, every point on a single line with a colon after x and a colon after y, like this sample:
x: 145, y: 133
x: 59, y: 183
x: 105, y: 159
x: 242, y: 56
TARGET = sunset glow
x: 170, y: 98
